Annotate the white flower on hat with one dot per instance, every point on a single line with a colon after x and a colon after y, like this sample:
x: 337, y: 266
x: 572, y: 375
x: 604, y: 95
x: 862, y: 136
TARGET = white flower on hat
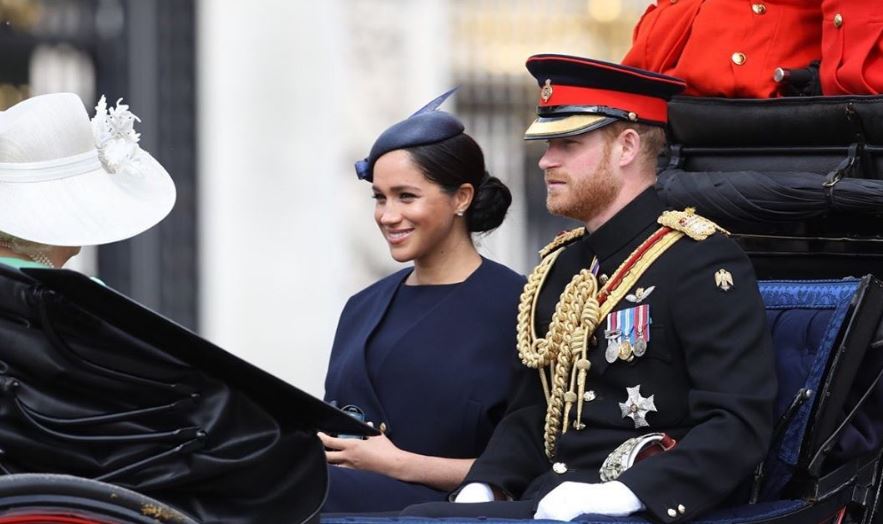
x: 115, y: 136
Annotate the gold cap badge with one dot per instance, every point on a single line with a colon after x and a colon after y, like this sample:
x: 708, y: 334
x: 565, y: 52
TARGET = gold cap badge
x: 546, y: 92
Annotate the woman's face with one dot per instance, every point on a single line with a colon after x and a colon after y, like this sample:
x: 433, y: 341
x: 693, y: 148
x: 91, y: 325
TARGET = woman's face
x: 415, y: 215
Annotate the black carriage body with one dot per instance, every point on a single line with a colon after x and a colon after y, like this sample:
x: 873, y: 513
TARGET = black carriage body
x: 95, y: 386
x: 798, y: 181
x: 799, y: 184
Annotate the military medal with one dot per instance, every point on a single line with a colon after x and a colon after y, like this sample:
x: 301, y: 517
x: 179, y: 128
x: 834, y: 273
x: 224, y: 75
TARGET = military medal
x: 612, y: 352
x: 642, y: 329
x: 613, y: 335
x: 625, y: 351
x: 637, y: 407
x: 640, y: 348
x: 627, y: 323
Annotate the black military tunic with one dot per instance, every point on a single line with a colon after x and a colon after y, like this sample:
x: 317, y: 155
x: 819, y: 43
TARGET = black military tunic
x: 708, y: 365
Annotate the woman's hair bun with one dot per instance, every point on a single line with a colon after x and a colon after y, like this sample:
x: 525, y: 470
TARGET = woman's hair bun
x: 459, y: 160
x: 489, y: 205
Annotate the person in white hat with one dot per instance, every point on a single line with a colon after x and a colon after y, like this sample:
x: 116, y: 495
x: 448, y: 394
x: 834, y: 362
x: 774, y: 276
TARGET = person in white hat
x: 68, y: 182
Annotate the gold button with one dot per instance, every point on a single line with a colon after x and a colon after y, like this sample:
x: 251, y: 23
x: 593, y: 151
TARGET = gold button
x: 559, y: 468
x: 603, y: 279
x: 672, y: 513
x: 589, y: 396
x: 382, y: 427
x: 758, y: 9
x: 681, y: 509
x: 738, y: 58
x: 838, y: 20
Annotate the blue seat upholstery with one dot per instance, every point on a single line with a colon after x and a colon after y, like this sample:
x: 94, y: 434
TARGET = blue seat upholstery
x: 807, y: 320
x: 741, y: 515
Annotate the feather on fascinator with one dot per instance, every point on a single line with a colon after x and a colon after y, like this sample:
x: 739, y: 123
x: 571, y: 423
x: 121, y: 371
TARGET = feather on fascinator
x: 426, y: 126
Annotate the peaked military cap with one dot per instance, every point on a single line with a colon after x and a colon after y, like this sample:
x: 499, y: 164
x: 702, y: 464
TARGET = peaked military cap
x: 427, y: 126
x: 578, y: 95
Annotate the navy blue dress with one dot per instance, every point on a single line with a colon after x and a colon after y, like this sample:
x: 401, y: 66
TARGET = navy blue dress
x: 432, y: 365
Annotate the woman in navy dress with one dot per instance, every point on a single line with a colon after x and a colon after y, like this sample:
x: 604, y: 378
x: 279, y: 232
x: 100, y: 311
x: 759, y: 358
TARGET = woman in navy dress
x: 426, y: 354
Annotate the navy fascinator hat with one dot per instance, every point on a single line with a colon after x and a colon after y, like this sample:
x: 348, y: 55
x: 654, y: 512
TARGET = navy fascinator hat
x: 427, y: 126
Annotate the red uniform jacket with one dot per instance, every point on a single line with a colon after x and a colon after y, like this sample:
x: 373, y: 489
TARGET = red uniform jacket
x: 852, y: 47
x: 728, y: 48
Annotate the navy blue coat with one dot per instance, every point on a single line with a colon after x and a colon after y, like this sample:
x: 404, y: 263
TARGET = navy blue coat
x: 444, y: 386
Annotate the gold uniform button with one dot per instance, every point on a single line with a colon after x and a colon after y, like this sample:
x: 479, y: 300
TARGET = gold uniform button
x: 382, y: 427
x: 738, y: 58
x: 559, y: 468
x: 672, y: 512
x: 681, y: 509
x: 758, y: 9
x: 838, y: 20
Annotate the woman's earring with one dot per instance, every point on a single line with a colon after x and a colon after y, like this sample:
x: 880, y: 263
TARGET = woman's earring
x: 459, y: 213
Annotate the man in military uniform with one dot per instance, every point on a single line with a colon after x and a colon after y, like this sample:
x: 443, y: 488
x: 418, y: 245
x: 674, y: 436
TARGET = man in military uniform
x: 656, y: 383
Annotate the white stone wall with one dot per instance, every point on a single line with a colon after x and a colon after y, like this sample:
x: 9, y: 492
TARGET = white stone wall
x: 291, y: 93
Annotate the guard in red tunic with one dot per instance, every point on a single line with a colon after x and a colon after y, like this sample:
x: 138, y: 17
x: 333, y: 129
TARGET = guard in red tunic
x: 730, y: 48
x: 852, y: 47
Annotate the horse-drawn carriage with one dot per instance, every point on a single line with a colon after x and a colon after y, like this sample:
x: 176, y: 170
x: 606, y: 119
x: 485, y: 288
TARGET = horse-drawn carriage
x: 157, y: 425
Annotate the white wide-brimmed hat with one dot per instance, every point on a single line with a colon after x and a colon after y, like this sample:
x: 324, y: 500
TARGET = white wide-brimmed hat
x: 66, y: 181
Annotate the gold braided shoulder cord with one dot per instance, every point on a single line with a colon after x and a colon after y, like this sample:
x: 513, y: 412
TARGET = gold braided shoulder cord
x: 577, y: 315
x: 574, y: 319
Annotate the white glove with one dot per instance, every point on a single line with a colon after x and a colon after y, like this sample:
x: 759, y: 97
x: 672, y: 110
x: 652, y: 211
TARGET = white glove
x: 475, y: 492
x: 571, y: 499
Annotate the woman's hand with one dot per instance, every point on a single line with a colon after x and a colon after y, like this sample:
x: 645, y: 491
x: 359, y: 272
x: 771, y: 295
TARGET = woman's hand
x: 380, y: 455
x: 377, y: 454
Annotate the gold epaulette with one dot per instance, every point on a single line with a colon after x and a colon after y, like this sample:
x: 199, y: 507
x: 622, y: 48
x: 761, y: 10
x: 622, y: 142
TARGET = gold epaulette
x: 562, y: 239
x: 689, y: 223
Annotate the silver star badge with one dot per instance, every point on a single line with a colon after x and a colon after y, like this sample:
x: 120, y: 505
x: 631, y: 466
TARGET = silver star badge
x: 640, y: 294
x: 636, y: 407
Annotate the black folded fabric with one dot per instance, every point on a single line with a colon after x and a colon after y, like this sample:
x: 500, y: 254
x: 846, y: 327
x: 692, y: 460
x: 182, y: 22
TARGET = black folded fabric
x: 753, y: 197
x: 94, y: 385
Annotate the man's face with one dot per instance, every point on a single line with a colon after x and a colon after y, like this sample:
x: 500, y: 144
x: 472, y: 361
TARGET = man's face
x: 579, y: 180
